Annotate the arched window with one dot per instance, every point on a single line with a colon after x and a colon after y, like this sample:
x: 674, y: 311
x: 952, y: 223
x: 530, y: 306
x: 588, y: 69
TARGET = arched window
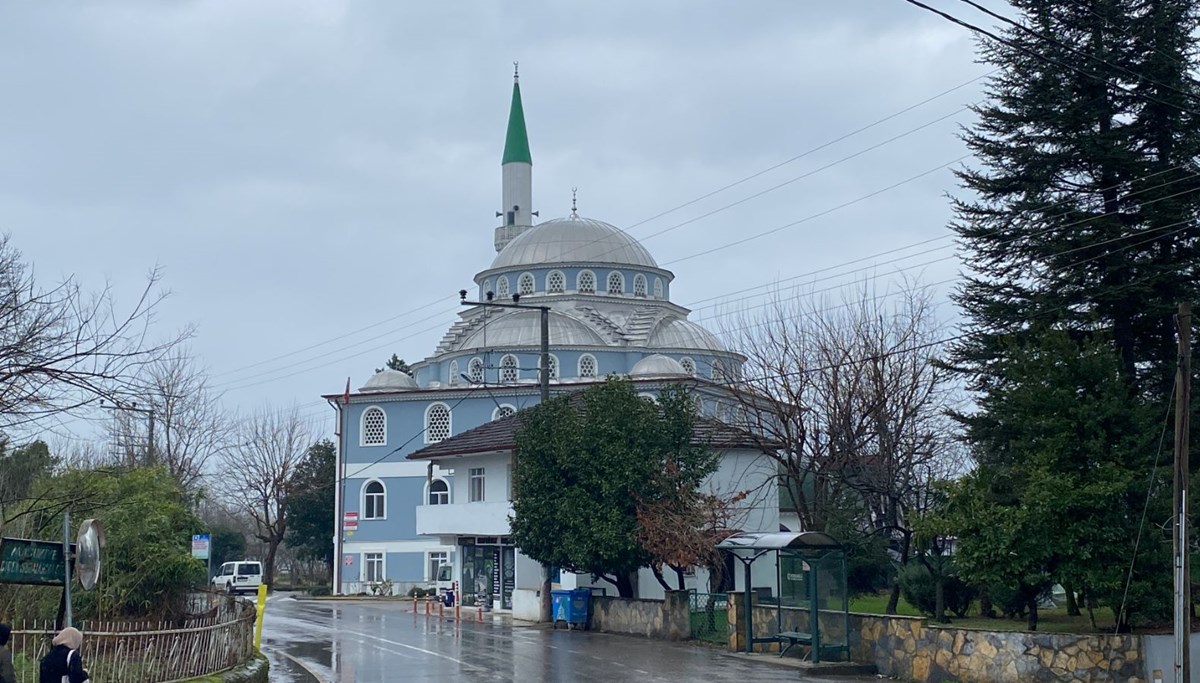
x: 658, y: 288
x: 374, y: 500
x: 487, y: 286
x: 616, y: 283
x: 374, y: 428
x: 503, y: 410
x: 453, y: 374
x: 718, y: 371
x: 525, y: 284
x: 510, y: 371
x: 553, y: 367
x: 688, y: 364
x: 502, y: 287
x: 475, y: 370
x: 439, y: 492
x: 586, y: 282
x: 556, y: 282
x: 437, y: 422
x: 587, y: 365
x: 639, y: 285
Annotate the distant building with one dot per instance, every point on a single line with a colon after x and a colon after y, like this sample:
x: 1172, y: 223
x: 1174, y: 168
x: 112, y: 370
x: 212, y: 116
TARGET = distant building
x: 611, y: 313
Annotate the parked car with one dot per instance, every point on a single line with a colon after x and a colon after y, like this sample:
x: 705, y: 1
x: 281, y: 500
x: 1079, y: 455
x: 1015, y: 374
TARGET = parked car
x: 238, y: 577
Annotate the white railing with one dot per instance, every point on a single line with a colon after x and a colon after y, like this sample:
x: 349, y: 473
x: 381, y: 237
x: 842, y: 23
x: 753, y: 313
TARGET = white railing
x: 219, y: 638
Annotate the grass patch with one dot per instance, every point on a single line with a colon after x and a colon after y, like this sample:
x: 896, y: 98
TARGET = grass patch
x: 877, y: 604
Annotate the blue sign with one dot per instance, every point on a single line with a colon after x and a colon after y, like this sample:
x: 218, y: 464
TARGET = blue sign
x: 200, y: 546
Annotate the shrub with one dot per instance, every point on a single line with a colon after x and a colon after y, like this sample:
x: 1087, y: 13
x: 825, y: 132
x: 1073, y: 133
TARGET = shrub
x: 418, y: 592
x: 920, y: 590
x: 319, y: 590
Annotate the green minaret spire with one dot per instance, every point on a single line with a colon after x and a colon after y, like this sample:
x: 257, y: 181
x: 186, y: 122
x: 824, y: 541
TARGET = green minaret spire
x: 516, y: 142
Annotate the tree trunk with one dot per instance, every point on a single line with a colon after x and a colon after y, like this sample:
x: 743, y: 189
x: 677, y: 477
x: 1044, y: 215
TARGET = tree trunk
x: 662, y: 581
x: 679, y: 577
x: 624, y: 586
x: 939, y: 601
x: 269, y: 563
x: 985, y: 604
x: 894, y: 597
x: 1072, y: 605
x: 1033, y: 609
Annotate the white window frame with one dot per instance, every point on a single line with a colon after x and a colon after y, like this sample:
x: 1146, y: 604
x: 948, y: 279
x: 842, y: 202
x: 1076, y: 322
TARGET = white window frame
x: 716, y: 370
x: 639, y: 286
x: 509, y: 362
x: 689, y: 365
x: 658, y: 288
x: 443, y: 555
x: 595, y: 366
x: 608, y: 282
x: 362, y: 428
x: 481, y: 477
x: 487, y: 286
x: 474, y: 363
x: 579, y: 282
x: 522, y: 280
x: 449, y: 421
x: 562, y: 276
x: 429, y: 491
x: 452, y: 375
x: 554, y: 367
x: 364, y: 564
x: 362, y: 505
x: 496, y: 411
x: 502, y: 287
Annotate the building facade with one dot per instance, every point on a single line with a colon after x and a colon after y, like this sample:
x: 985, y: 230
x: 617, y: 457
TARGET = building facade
x: 610, y: 313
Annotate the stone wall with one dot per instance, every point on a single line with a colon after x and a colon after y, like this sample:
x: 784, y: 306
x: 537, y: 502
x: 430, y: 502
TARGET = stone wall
x: 908, y: 648
x: 666, y: 619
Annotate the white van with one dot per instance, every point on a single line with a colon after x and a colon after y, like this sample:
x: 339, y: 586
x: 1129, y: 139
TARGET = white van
x: 238, y: 577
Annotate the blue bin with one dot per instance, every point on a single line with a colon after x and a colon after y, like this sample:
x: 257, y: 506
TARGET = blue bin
x: 571, y: 606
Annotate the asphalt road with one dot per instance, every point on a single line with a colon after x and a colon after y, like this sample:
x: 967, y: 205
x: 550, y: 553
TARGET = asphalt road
x: 376, y: 642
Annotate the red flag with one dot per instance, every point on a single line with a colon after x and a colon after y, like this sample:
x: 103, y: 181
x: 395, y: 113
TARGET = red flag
x: 347, y: 396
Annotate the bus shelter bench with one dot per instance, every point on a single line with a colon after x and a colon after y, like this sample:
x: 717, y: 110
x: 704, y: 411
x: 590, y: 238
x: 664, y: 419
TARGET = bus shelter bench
x: 793, y: 638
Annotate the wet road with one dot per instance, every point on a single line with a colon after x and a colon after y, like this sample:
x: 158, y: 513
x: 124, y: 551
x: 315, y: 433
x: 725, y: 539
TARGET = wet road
x: 376, y: 642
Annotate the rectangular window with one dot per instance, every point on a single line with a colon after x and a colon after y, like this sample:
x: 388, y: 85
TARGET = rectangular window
x: 436, y: 560
x: 509, y: 472
x: 372, y: 566
x: 476, y: 484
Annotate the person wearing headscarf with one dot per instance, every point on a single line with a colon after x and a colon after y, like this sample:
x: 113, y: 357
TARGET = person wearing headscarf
x: 63, y: 663
x: 7, y: 674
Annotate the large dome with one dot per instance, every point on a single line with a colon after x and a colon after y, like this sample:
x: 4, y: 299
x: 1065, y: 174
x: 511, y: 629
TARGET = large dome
x: 573, y: 240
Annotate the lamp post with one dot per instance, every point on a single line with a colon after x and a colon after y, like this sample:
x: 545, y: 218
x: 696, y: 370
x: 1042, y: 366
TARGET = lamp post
x: 544, y: 382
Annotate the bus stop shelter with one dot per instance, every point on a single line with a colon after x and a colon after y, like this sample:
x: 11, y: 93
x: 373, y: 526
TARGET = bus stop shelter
x: 810, y: 585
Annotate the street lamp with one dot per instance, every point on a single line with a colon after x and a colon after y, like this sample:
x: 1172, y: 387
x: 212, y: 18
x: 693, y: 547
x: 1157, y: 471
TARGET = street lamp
x: 544, y: 375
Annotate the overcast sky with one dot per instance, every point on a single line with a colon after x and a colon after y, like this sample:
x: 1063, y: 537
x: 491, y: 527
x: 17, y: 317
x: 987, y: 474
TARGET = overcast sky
x: 303, y: 170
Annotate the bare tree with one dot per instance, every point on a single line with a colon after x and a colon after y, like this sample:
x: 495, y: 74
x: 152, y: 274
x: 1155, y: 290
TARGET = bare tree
x: 853, y: 394
x: 258, y: 471
x: 61, y: 348
x: 188, y: 425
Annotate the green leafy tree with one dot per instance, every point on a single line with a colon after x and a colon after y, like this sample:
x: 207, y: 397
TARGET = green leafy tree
x: 228, y: 545
x: 1085, y: 185
x: 20, y: 468
x: 396, y: 363
x: 1055, y: 500
x: 310, y: 504
x: 584, y: 464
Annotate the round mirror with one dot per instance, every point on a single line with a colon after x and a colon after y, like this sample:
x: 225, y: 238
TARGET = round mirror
x: 87, y: 553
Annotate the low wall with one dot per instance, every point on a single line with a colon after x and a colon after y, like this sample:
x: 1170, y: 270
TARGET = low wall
x: 666, y: 619
x: 527, y: 604
x: 910, y: 649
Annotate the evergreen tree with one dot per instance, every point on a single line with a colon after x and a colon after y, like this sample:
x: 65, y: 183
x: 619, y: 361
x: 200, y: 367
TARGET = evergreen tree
x: 395, y: 363
x: 1085, y: 195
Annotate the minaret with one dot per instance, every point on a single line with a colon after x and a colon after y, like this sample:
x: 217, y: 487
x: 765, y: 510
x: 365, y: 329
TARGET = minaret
x: 517, y: 172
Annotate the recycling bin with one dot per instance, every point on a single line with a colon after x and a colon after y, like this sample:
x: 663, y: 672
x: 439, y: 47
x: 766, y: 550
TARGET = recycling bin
x: 571, y: 606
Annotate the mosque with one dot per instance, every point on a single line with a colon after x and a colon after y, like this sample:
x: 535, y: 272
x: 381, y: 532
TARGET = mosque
x: 425, y: 481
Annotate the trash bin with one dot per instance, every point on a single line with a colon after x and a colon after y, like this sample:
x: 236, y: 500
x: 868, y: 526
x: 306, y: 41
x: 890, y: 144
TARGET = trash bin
x: 571, y: 606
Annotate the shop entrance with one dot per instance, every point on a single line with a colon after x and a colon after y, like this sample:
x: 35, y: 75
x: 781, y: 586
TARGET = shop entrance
x: 488, y: 571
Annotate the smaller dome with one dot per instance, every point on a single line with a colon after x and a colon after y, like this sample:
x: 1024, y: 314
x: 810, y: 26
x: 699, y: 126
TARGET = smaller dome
x: 657, y: 365
x: 684, y: 334
x: 389, y: 380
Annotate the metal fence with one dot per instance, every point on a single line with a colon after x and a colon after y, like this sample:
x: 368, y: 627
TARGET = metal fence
x: 219, y: 636
x: 709, y: 616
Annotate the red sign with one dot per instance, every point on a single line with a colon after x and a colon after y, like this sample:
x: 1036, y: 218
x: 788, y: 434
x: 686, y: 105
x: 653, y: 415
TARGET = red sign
x: 350, y: 521
x: 348, y: 560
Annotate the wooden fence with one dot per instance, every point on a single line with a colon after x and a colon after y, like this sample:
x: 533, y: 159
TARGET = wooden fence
x: 219, y: 636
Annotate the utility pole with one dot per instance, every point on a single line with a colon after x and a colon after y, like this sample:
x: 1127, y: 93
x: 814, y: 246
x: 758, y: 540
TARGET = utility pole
x: 544, y: 382
x: 149, y: 413
x: 1183, y: 582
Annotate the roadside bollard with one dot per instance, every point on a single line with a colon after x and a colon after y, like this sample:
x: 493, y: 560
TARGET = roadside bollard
x: 479, y: 614
x: 428, y: 608
x: 415, y: 604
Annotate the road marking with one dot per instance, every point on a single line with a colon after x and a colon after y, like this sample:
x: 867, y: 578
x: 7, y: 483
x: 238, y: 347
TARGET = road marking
x: 418, y: 649
x: 304, y: 666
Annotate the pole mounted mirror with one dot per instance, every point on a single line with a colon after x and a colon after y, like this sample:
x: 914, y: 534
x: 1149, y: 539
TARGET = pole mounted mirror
x: 87, y: 555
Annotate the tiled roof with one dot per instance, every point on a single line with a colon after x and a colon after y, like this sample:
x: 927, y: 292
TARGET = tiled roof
x: 501, y: 435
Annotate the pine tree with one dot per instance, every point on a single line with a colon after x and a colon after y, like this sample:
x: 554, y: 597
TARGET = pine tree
x: 1085, y: 196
